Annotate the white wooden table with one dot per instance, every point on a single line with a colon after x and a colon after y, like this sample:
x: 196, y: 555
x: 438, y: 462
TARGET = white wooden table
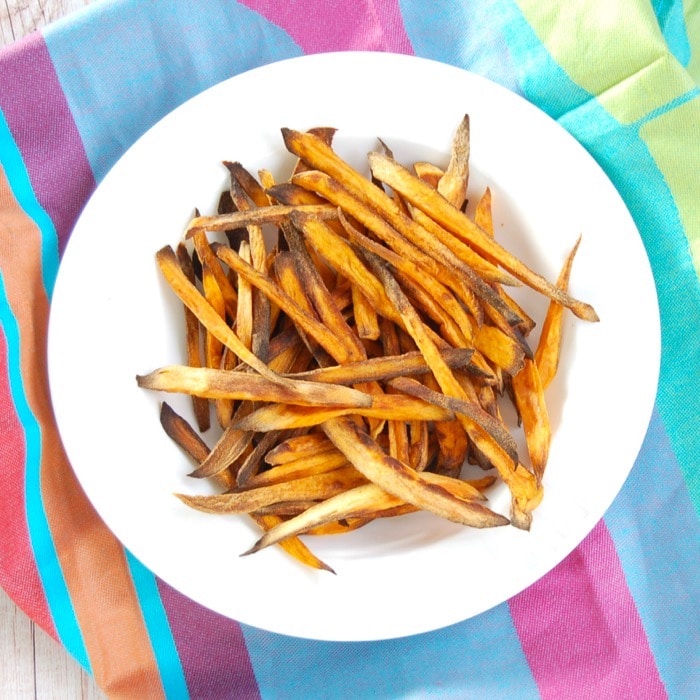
x: 33, y: 665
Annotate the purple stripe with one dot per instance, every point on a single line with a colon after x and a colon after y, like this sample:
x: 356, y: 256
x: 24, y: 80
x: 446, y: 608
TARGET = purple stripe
x: 580, y: 629
x: 212, y: 649
x: 42, y: 126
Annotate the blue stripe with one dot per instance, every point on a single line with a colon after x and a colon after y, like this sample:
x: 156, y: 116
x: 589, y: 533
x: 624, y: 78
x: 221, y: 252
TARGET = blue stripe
x: 666, y: 463
x: 671, y: 17
x: 478, y: 658
x: 138, y: 65
x: 12, y: 163
x: 50, y: 572
x: 171, y: 672
x: 653, y: 495
x: 452, y: 32
x: 668, y: 107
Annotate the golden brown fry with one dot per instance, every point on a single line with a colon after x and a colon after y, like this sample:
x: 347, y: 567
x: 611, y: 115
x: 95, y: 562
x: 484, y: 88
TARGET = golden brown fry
x: 184, y: 435
x: 403, y: 482
x: 454, y: 181
x: 383, y: 368
x: 462, y: 406
x: 297, y: 447
x: 209, y: 261
x: 244, y: 307
x: 342, y: 257
x: 248, y: 184
x: 532, y: 409
x: 200, y: 406
x: 429, y: 172
x: 246, y: 386
x: 483, y: 213
x: 310, y: 325
x: 275, y: 214
x: 549, y: 346
x: 428, y: 283
x: 366, y: 319
x: 318, y: 486
x: 207, y: 315
x: 384, y: 407
x: 304, y: 466
x: 499, y: 347
x: 438, y: 208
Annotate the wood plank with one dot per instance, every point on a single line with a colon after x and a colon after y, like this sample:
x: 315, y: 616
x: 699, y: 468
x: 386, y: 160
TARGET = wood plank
x: 20, y: 17
x: 16, y: 651
x: 56, y: 669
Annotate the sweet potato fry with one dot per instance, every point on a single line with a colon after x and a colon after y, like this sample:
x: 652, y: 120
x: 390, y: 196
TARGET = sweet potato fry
x: 356, y: 365
x: 200, y: 406
x: 532, y: 409
x: 206, y: 314
x: 453, y: 183
x: 383, y: 368
x: 430, y: 202
x: 275, y: 214
x: 246, y: 386
x: 403, y: 482
x: 316, y: 487
x: 549, y: 346
x: 384, y: 407
x: 184, y: 435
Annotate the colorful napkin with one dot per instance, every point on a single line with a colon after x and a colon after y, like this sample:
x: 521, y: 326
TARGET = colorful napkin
x: 619, y: 617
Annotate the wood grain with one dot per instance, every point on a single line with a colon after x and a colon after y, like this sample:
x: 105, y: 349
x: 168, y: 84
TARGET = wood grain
x: 21, y: 17
x: 32, y: 664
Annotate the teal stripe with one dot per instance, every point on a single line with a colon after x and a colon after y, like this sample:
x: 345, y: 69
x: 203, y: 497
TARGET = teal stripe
x: 663, y: 109
x: 162, y: 642
x: 671, y: 17
x: 50, y: 572
x: 11, y: 161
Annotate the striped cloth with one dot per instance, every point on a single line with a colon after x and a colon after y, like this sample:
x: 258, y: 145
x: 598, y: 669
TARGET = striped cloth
x: 619, y: 617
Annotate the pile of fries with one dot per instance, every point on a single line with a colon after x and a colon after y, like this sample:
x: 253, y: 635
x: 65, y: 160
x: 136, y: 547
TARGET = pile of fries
x: 353, y: 337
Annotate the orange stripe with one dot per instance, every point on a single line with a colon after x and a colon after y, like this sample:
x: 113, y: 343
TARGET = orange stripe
x: 92, y: 560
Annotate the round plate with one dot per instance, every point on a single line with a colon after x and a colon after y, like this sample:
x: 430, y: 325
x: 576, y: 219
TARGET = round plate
x: 113, y: 318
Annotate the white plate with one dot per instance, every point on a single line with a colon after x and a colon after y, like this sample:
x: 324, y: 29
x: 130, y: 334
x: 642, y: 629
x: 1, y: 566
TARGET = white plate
x: 112, y: 319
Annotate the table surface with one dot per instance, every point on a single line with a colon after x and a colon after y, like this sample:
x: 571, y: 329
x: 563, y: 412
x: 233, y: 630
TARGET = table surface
x: 33, y: 664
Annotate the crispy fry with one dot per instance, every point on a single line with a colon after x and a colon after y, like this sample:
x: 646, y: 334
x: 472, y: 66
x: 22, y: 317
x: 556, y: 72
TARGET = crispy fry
x: 206, y: 314
x: 184, y: 435
x: 549, y: 346
x: 438, y: 208
x: 532, y: 408
x: 319, y: 486
x: 402, y: 481
x: 356, y: 365
x: 384, y: 407
x: 453, y: 183
x: 200, y: 406
x: 246, y: 386
x: 298, y: 447
x: 383, y: 368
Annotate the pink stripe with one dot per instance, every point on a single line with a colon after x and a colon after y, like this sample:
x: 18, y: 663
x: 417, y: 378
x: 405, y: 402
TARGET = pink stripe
x: 580, y: 629
x: 212, y: 649
x: 18, y: 574
x: 339, y: 25
x: 42, y: 126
